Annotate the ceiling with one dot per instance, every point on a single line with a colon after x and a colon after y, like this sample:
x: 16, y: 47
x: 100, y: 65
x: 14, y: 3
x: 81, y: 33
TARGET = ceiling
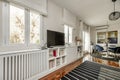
x: 92, y: 12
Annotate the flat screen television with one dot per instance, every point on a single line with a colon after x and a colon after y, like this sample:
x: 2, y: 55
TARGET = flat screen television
x: 55, y: 38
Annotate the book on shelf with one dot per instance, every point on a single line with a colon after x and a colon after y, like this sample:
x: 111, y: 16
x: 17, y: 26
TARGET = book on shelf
x: 51, y: 64
x: 58, y: 62
x: 61, y: 52
x: 63, y: 59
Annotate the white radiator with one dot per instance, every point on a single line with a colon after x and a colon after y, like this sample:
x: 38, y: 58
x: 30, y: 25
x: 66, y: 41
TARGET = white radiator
x: 23, y: 65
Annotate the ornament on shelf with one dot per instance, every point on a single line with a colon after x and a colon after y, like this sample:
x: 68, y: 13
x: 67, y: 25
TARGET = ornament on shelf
x: 78, y: 41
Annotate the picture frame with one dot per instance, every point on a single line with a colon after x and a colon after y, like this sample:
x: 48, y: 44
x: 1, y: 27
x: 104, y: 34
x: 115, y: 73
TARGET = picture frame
x: 111, y: 37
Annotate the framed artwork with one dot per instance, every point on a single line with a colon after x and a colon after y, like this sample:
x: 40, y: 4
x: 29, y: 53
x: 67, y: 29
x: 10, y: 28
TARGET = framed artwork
x: 113, y: 37
x: 101, y: 37
x: 110, y: 36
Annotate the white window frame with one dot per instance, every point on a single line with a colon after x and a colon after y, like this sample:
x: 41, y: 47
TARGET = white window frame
x: 8, y: 41
x: 6, y: 26
x: 39, y: 26
x: 68, y: 36
x: 66, y: 33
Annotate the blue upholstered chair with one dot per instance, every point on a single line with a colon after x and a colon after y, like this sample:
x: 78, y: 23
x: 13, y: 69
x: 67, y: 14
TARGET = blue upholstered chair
x: 115, y: 50
x: 98, y: 48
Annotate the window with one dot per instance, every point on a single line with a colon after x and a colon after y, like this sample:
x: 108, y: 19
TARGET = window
x: 68, y: 34
x: 17, y: 25
x: 19, y: 29
x: 86, y: 38
x: 87, y: 41
x: 107, y: 36
x: 34, y: 28
x: 66, y: 28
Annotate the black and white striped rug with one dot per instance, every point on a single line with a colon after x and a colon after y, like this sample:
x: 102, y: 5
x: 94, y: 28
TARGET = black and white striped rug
x: 93, y: 71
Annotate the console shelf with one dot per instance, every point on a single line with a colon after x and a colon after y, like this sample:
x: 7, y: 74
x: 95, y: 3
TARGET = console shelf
x: 57, y: 57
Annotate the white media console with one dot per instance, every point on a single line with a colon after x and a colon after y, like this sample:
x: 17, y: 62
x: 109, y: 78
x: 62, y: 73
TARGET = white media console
x: 34, y: 64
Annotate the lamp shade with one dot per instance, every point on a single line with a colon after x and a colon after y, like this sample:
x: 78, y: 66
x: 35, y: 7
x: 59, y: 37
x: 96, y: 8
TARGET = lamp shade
x: 114, y: 16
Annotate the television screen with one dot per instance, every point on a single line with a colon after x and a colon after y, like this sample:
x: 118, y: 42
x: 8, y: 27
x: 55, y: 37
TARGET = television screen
x: 55, y: 38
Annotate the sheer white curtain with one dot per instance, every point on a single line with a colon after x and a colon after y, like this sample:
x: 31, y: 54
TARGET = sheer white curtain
x: 87, y: 41
x: 86, y: 38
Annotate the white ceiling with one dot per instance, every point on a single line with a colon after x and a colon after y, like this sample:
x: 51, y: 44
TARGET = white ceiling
x: 92, y: 12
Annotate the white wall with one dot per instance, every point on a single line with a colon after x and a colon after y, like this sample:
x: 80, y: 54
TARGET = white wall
x: 69, y: 18
x: 0, y: 23
x: 78, y: 27
x: 58, y: 16
x: 37, y: 5
x: 93, y: 34
x: 53, y: 21
x: 112, y: 27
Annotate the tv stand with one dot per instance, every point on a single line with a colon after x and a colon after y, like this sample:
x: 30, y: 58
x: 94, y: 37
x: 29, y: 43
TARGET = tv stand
x: 59, y: 46
x: 51, y: 47
x: 57, y: 57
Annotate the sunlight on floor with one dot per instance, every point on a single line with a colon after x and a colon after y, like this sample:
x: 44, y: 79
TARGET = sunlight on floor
x: 87, y: 58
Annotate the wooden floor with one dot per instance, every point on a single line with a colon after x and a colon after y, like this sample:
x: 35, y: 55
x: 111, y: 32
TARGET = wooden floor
x: 56, y: 75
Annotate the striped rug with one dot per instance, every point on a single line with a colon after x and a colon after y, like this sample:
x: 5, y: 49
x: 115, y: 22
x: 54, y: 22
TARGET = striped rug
x: 93, y: 71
